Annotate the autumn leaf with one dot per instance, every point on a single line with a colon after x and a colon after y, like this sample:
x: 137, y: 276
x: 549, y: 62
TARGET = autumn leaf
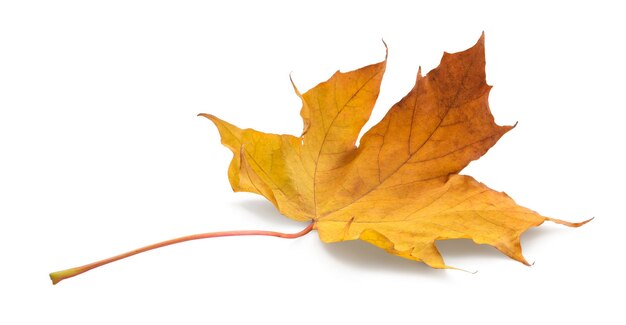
x: 400, y: 189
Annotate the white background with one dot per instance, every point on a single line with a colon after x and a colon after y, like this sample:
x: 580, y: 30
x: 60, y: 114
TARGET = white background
x: 101, y: 152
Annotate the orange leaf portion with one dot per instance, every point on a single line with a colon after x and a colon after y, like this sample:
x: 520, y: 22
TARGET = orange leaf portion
x: 400, y: 189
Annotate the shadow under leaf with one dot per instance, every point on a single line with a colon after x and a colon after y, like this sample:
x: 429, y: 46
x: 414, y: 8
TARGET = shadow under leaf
x: 364, y: 255
x: 261, y: 208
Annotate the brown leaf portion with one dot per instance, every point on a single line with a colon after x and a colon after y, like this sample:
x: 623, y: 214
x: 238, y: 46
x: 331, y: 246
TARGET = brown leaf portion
x: 436, y: 130
x: 400, y: 189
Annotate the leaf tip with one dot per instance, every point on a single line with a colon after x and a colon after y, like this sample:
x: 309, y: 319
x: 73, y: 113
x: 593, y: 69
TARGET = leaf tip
x: 212, y: 118
x: 516, y: 254
x: 386, y: 48
x: 481, y: 41
x: 459, y: 269
x: 569, y: 224
x: 510, y: 127
x: 209, y: 116
x: 293, y: 84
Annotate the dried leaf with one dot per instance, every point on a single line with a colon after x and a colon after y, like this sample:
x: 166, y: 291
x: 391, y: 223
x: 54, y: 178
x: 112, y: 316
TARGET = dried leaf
x: 400, y: 188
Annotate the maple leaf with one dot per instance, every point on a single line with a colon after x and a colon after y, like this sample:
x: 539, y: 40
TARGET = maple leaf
x: 400, y: 188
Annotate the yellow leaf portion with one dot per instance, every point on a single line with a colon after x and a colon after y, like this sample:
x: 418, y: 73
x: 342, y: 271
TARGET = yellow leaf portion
x: 283, y: 168
x: 269, y: 165
x: 400, y: 189
x: 407, y: 222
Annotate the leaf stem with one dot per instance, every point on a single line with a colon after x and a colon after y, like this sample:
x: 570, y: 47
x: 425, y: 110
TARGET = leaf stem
x: 59, y: 276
